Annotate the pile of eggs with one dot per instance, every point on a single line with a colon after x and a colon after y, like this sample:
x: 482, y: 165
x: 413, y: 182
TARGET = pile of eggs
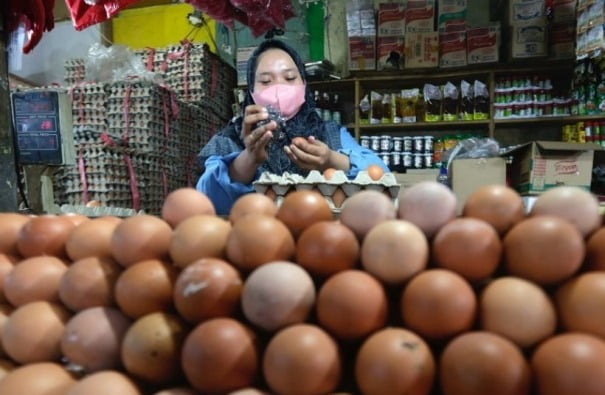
x: 382, y: 300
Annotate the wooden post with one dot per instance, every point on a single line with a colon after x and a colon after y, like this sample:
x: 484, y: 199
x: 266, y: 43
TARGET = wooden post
x: 8, y: 164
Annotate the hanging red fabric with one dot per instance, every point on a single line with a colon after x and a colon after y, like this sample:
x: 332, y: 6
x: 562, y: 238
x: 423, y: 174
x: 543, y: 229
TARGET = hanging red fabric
x: 83, y: 14
x: 36, y: 15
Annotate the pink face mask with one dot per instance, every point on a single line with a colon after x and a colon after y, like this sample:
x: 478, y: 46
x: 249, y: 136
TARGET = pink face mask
x: 286, y: 98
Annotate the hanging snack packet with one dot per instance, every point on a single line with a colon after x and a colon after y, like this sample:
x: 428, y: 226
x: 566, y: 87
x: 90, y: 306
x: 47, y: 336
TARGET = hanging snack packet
x: 450, y: 102
x: 481, y: 111
x: 467, y: 105
x: 433, y: 100
x: 364, y: 110
x: 376, y: 112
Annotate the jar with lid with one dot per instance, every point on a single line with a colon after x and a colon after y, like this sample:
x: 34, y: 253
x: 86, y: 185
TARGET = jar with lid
x: 375, y: 143
x: 364, y: 141
x: 397, y: 144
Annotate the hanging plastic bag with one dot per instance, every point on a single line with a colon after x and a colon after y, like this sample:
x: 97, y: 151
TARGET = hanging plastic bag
x: 220, y: 10
x: 264, y: 15
x: 116, y: 63
x: 85, y: 13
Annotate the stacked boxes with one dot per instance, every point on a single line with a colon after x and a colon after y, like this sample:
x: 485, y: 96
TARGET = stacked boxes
x: 452, y: 33
x: 391, y: 31
x: 528, y: 29
x: 590, y: 35
x: 421, y: 39
x: 361, y: 31
x: 483, y: 44
x: 75, y: 71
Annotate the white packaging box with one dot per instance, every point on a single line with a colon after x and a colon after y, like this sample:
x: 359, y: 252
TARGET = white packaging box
x: 390, y: 53
x: 421, y: 50
x: 529, y: 41
x: 483, y: 44
x: 451, y: 15
x: 420, y: 16
x: 526, y: 11
x: 452, y: 49
x: 362, y: 53
x: 391, y: 19
x: 243, y: 54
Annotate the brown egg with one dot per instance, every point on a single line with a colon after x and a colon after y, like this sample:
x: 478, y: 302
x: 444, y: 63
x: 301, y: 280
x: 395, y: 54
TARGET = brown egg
x: 468, y: 246
x: 303, y: 208
x: 428, y: 205
x: 271, y: 194
x: 199, y: 236
x: 595, y: 251
x: 92, y: 238
x: 327, y: 247
x: 438, y: 303
x: 580, y: 303
x: 543, y: 249
x: 183, y: 203
x: 33, y: 332
x: 479, y: 363
x: 104, y: 383
x: 338, y: 197
x: 394, y: 251
x: 151, y: 347
x: 328, y: 173
x: 177, y: 391
x: 34, y: 279
x: 252, y: 203
x: 7, y: 263
x: 573, y: 204
x: 569, y: 363
x: 219, y: 356
x: 352, y: 304
x: 5, y: 312
x: 10, y: 227
x: 44, y: 235
x: 249, y: 391
x: 145, y: 287
x: 92, y: 339
x: 208, y: 288
x: 375, y: 172
x: 6, y: 366
x: 498, y: 205
x: 77, y: 219
x: 43, y: 378
x: 89, y: 282
x: 394, y: 361
x: 302, y: 357
x: 257, y: 239
x: 365, y: 209
x: 140, y: 237
x: 518, y: 310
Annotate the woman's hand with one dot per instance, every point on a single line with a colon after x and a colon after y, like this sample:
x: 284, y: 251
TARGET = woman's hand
x: 256, y: 138
x: 313, y: 154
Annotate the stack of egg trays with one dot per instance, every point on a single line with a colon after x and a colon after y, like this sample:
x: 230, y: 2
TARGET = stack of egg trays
x: 89, y: 112
x: 75, y: 71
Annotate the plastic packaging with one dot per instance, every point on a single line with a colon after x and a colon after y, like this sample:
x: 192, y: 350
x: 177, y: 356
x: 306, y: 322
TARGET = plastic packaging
x: 85, y: 13
x: 433, y: 99
x: 116, y: 63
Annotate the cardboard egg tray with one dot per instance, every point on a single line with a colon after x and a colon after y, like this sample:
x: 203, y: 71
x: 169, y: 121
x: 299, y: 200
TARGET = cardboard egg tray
x: 336, y: 190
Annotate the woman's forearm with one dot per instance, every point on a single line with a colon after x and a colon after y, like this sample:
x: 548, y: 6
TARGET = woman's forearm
x: 243, y: 168
x: 339, y: 161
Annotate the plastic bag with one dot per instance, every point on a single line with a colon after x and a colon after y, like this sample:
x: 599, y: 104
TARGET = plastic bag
x: 116, y: 63
x: 472, y: 148
x: 263, y: 15
x: 84, y: 14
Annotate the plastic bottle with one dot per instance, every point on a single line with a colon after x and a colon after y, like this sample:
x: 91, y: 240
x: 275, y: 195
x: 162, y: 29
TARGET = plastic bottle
x: 442, y: 177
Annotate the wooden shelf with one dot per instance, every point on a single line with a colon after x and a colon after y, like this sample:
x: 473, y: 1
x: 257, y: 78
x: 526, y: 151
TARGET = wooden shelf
x: 549, y: 120
x: 424, y: 125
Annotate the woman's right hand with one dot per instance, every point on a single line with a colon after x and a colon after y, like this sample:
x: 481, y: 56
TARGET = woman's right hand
x: 256, y: 138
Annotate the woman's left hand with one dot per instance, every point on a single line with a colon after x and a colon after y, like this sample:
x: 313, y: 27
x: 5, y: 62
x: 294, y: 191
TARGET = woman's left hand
x: 309, y: 153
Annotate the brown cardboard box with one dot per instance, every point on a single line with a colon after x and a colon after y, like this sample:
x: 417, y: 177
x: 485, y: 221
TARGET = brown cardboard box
x: 420, y: 16
x: 391, y: 19
x: 529, y: 41
x: 452, y: 49
x: 362, y: 53
x: 414, y: 176
x: 390, y: 53
x: 421, y: 50
x: 562, y: 40
x: 540, y: 165
x: 466, y: 175
x: 483, y: 44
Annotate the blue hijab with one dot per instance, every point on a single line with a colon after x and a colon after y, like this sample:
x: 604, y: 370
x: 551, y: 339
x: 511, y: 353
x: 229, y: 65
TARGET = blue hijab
x: 304, y: 124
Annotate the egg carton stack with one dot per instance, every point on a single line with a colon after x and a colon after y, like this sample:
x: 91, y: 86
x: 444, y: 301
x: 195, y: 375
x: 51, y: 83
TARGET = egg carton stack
x: 75, y: 71
x: 196, y: 75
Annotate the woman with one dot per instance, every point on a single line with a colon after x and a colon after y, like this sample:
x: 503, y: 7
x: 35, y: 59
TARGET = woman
x: 247, y: 146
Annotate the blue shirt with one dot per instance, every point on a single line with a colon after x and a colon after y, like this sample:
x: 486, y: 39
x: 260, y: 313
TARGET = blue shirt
x: 218, y: 186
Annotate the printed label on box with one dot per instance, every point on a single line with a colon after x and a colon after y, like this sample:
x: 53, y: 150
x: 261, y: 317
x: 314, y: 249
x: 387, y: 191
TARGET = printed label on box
x: 483, y: 44
x: 421, y: 50
x: 526, y: 11
x: 420, y: 16
x: 452, y: 15
x: 390, y: 53
x: 391, y: 19
x: 362, y: 53
x: 529, y: 41
x: 452, y: 49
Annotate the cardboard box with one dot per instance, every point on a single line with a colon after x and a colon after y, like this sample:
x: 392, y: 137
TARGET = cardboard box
x: 421, y: 50
x: 451, y: 15
x: 564, y: 10
x: 483, y: 44
x: 420, y: 16
x: 526, y: 11
x: 391, y: 51
x: 540, y: 165
x: 562, y: 40
x: 529, y: 41
x: 391, y: 19
x: 362, y: 53
x: 466, y: 175
x: 414, y: 176
x: 452, y: 49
